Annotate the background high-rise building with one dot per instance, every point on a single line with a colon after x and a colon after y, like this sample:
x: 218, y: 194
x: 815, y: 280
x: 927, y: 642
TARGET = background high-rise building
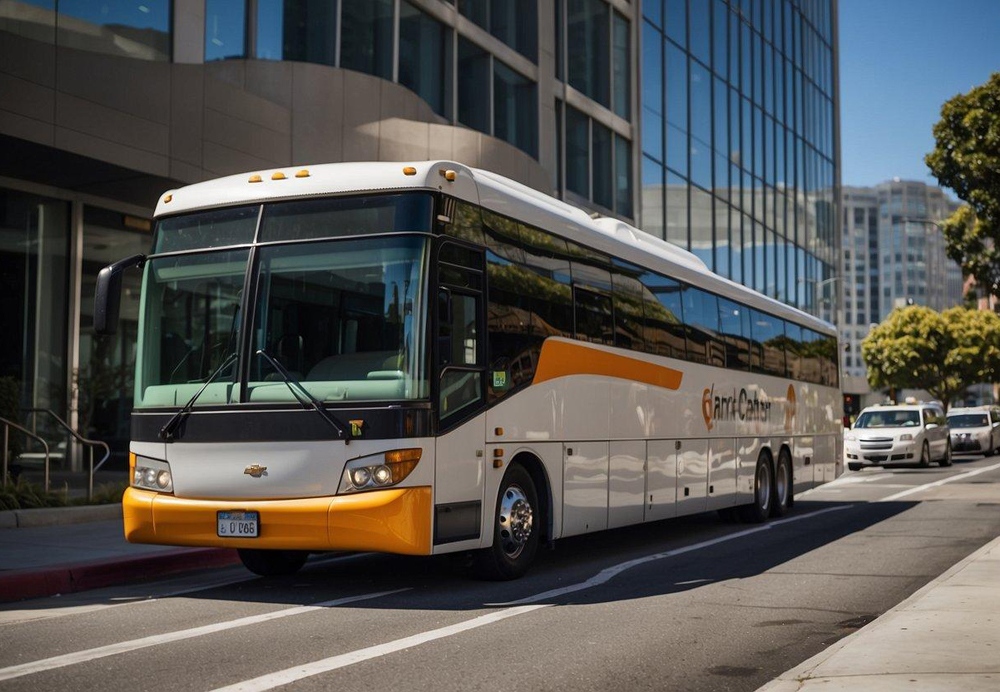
x: 740, y: 154
x: 893, y: 255
x: 712, y: 123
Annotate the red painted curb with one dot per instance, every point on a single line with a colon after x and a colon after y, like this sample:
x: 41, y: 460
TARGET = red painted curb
x: 82, y: 576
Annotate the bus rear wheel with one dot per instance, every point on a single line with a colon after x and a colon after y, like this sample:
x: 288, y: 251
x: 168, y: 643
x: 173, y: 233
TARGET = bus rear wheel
x: 272, y: 563
x: 763, y: 493
x: 782, y: 485
x: 515, y: 529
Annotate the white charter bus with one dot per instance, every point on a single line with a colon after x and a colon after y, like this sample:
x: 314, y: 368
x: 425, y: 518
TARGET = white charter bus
x: 425, y: 358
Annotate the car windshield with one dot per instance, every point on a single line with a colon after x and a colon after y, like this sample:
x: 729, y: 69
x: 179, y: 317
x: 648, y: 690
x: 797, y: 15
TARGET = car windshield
x: 968, y: 420
x: 888, y: 419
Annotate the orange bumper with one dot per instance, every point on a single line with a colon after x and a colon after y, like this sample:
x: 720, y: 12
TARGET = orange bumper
x: 394, y: 521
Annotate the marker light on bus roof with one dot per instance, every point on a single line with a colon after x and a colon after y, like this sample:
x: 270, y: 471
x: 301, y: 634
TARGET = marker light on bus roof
x: 409, y: 170
x: 278, y: 175
x: 254, y: 179
x: 304, y: 173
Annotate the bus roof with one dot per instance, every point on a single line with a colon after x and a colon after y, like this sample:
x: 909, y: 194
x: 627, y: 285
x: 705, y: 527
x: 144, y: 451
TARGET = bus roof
x: 493, y: 192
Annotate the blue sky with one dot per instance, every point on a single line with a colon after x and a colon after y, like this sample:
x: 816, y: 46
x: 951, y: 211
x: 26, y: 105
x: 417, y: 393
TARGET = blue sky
x: 899, y: 61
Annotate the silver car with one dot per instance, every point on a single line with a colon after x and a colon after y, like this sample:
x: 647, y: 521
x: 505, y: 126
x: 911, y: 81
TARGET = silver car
x: 975, y: 430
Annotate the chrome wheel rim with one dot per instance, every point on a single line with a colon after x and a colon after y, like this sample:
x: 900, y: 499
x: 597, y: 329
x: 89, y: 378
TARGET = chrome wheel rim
x: 764, y: 487
x: 516, y: 521
x: 782, y: 483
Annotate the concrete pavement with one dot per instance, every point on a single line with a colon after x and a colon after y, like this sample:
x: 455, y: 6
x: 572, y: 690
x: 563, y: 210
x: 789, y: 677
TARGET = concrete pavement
x: 690, y: 604
x: 944, y: 637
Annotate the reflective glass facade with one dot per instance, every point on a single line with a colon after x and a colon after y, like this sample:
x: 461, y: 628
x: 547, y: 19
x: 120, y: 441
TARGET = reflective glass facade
x: 739, y: 140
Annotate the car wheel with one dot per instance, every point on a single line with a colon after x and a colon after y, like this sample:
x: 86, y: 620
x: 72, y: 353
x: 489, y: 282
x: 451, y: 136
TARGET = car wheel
x: 782, y: 485
x: 272, y: 563
x: 946, y: 459
x: 515, y: 529
x: 854, y: 467
x: 925, y: 455
x: 763, y: 493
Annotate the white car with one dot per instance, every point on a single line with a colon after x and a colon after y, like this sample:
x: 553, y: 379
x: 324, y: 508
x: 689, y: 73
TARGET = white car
x: 908, y: 434
x: 975, y: 430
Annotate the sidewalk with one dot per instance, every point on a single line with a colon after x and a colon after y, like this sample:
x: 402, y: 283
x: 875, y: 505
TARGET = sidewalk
x: 944, y: 637
x: 48, y: 560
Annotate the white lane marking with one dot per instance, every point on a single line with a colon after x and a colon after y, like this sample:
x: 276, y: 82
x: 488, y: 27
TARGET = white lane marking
x: 521, y: 606
x: 935, y: 484
x: 16, y: 616
x: 153, y: 640
x: 609, y: 573
x: 284, y: 677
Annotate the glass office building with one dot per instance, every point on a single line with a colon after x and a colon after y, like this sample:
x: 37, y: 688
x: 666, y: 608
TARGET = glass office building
x: 711, y: 123
x: 740, y: 155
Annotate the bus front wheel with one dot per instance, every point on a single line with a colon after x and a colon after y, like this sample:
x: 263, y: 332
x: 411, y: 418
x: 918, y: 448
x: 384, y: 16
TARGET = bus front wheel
x: 515, y: 529
x: 272, y: 563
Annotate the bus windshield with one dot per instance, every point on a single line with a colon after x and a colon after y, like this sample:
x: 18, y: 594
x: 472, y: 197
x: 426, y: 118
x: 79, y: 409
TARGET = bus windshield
x: 888, y: 419
x: 344, y: 317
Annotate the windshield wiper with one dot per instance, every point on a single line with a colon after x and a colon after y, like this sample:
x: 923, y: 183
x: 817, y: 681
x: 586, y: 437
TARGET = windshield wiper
x: 167, y: 431
x: 312, y: 401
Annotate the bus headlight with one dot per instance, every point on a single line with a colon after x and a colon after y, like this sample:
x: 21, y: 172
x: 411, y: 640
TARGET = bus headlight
x: 379, y: 470
x: 152, y: 474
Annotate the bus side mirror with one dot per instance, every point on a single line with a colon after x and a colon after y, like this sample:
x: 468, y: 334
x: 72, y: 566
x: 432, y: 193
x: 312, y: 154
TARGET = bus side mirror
x: 108, y: 296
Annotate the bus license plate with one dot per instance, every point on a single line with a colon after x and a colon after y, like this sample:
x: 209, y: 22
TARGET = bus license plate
x: 238, y: 524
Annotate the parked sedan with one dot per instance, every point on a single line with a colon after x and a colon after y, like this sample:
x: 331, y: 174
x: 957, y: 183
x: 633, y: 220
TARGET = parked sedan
x: 975, y: 430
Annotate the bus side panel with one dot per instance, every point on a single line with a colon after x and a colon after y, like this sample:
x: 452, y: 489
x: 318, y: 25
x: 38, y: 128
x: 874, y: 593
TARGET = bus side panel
x: 721, y: 472
x: 749, y: 449
x: 692, y: 477
x: 585, y: 487
x: 661, y: 479
x: 626, y: 482
x: 803, y: 457
x: 826, y: 453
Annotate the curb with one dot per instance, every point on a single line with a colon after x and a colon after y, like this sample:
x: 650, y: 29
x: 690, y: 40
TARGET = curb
x: 82, y: 576
x: 793, y: 679
x: 54, y: 516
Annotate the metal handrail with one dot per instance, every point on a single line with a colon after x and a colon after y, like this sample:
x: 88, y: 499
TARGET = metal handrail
x: 79, y: 438
x: 7, y: 425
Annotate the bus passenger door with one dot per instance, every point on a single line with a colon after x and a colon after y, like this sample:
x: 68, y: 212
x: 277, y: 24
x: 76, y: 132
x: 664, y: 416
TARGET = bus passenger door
x: 460, y: 394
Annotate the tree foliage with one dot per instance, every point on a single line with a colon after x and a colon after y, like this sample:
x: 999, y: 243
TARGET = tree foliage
x: 966, y: 159
x: 942, y: 353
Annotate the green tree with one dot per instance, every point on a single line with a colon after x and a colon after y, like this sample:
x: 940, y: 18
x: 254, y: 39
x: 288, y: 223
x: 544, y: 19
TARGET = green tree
x: 966, y: 159
x: 941, y: 353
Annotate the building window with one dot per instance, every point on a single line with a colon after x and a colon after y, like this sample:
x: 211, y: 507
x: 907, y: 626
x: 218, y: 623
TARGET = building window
x: 366, y: 36
x: 304, y: 30
x: 515, y: 22
x: 117, y: 27
x: 225, y: 29
x: 589, y: 49
x: 424, y: 58
x: 621, y: 75
x: 598, y: 164
x: 473, y: 74
x: 515, y: 109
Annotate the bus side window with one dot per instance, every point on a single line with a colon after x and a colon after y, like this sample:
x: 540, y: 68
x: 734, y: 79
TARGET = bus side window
x: 593, y: 316
x: 627, y: 297
x: 663, y: 316
x: 550, y: 296
x: 701, y: 315
x: 769, y: 333
x: 511, y: 360
x: 793, y: 350
x: 458, y: 345
x: 737, y: 342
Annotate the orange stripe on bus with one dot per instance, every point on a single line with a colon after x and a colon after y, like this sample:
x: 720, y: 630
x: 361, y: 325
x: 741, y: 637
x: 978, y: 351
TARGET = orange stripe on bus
x: 561, y: 358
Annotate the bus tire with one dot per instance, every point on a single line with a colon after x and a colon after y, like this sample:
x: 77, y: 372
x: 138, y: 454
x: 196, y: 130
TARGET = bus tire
x: 763, y: 492
x: 272, y: 563
x: 516, y: 529
x: 782, y: 485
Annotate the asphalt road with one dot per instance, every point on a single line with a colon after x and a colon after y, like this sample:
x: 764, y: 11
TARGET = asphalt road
x: 689, y: 604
